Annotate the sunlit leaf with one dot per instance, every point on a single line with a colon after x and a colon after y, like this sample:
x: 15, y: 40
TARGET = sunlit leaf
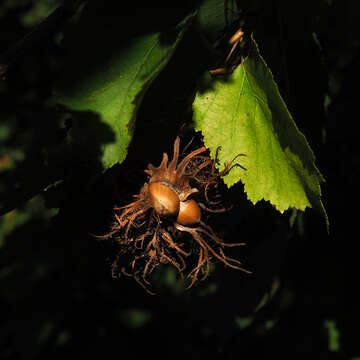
x: 245, y: 113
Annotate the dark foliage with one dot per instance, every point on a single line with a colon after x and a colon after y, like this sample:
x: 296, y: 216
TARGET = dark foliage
x: 57, y: 297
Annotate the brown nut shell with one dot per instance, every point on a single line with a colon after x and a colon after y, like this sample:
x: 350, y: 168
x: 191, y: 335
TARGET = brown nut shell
x: 163, y: 199
x: 189, y: 213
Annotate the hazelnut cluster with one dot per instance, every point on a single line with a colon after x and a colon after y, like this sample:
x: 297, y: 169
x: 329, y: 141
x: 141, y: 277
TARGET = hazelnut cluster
x: 164, y: 222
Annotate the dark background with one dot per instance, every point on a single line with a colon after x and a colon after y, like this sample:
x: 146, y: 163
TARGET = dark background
x: 57, y: 297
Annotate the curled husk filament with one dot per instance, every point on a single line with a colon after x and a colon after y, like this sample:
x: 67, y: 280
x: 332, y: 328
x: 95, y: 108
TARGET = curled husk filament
x: 164, y: 224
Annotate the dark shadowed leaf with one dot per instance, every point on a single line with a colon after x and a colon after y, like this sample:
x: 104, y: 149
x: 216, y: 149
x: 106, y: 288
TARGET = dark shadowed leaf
x: 108, y: 76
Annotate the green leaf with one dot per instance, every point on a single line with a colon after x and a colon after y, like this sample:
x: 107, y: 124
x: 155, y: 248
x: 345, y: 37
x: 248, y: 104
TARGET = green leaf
x: 333, y: 335
x: 214, y: 16
x: 245, y: 113
x: 112, y: 57
x: 107, y: 78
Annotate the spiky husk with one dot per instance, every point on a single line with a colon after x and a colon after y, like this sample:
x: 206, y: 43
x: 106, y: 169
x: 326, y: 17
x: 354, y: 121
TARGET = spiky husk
x: 144, y: 240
